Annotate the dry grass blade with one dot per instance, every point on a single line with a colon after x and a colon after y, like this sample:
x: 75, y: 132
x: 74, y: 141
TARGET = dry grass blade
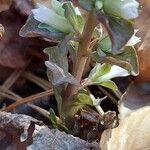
x: 37, y: 80
x: 108, y: 95
x: 12, y: 79
x: 28, y: 100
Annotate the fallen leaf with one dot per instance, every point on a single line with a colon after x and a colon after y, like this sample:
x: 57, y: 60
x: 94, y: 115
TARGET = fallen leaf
x: 136, y: 97
x: 5, y: 4
x: 133, y: 132
x: 144, y: 61
x: 143, y: 49
x: 15, y: 50
x: 11, y: 45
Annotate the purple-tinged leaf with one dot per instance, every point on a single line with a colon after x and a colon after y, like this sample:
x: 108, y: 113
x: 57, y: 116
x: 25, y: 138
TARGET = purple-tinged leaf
x: 33, y: 28
x: 119, y: 30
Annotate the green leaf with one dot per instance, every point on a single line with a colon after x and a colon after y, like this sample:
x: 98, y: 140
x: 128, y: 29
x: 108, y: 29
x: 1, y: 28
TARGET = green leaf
x: 50, y: 17
x: 34, y: 28
x: 129, y: 56
x: 109, y: 84
x: 127, y: 9
x: 83, y: 99
x: 52, y: 118
x: 80, y: 100
x: 58, y: 57
x: 127, y: 59
x: 46, y: 26
x: 119, y: 30
x: 75, y: 20
x: 104, y: 45
x: 99, y: 70
x: 58, y: 67
x: 55, y: 123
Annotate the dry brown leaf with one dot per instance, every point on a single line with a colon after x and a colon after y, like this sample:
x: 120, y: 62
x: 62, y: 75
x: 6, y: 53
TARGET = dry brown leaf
x: 136, y: 97
x: 133, y: 133
x: 15, y: 51
x: 4, y: 5
x: 144, y: 59
x: 143, y: 50
x: 11, y: 45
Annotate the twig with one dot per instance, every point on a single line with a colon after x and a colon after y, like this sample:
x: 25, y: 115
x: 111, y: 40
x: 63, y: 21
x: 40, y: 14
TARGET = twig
x: 28, y: 100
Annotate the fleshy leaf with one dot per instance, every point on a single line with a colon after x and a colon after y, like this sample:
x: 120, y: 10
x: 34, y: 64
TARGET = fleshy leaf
x: 119, y: 30
x: 34, y: 28
x: 58, y: 57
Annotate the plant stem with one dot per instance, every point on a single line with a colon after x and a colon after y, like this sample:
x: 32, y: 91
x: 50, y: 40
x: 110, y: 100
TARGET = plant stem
x: 83, y: 53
